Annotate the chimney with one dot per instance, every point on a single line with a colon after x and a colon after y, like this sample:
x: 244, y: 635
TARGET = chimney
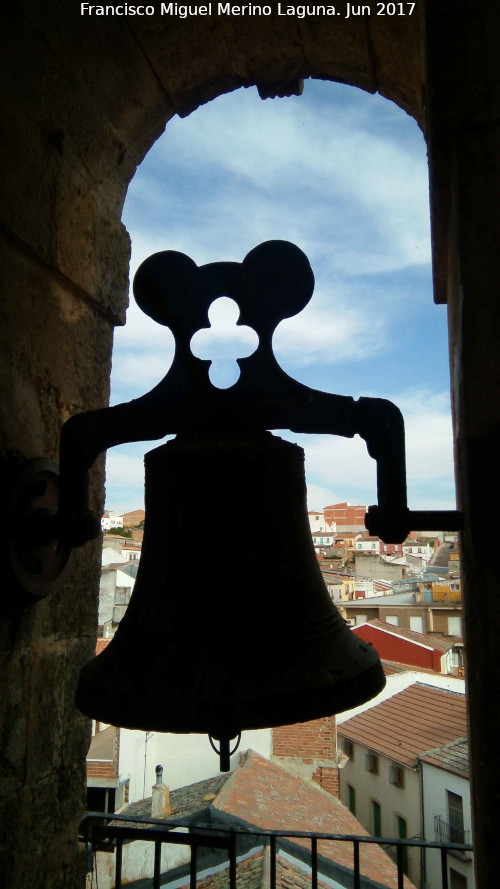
x: 160, y: 801
x: 309, y: 750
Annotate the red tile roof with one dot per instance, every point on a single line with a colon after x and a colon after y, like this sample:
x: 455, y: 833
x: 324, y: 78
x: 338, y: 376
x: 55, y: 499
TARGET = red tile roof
x: 391, y: 667
x: 101, y: 644
x: 266, y: 795
x: 410, y: 723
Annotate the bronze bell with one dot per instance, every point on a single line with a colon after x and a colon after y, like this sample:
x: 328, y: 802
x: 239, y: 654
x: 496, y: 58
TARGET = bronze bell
x: 230, y: 625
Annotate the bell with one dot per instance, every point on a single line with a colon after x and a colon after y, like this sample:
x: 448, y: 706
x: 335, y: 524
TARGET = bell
x: 230, y: 625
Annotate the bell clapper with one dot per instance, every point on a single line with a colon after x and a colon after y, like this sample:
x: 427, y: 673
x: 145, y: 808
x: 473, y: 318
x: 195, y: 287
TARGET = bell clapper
x: 224, y: 752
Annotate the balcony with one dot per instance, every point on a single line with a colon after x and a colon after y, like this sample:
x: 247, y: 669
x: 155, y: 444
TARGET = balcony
x: 448, y: 834
x: 109, y: 835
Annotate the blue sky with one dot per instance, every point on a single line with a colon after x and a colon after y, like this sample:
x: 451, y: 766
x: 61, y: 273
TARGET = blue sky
x: 342, y: 174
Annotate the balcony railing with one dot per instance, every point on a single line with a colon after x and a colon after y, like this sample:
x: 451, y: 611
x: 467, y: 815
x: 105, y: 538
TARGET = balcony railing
x: 446, y: 833
x: 108, y: 833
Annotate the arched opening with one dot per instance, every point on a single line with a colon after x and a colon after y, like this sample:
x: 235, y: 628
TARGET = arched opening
x: 344, y: 175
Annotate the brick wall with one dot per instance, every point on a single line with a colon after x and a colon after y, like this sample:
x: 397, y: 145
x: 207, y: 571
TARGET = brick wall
x: 311, y: 744
x: 307, y: 740
x: 328, y: 777
x: 106, y: 768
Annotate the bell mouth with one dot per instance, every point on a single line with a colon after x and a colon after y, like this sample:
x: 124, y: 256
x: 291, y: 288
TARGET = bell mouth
x: 220, y: 692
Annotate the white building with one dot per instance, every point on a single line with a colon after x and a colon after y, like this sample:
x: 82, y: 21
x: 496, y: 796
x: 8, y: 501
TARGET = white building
x: 111, y: 520
x: 322, y: 538
x: 112, y: 549
x: 420, y: 548
x: 316, y: 520
x: 115, y: 589
x: 381, y: 782
x: 447, y: 811
x: 131, y: 550
x: 368, y: 545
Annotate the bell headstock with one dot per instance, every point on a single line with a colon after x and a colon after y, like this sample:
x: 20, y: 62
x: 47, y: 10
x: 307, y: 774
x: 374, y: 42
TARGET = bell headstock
x: 275, y: 281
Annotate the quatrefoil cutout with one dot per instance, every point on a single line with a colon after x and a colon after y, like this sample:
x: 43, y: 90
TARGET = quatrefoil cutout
x: 224, y: 342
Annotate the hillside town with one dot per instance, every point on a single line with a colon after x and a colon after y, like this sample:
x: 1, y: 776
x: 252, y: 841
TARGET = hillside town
x: 394, y: 767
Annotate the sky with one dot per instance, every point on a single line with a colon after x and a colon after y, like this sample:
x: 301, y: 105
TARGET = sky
x: 342, y: 174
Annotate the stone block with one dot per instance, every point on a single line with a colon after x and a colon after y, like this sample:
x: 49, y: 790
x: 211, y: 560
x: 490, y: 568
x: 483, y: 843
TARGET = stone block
x: 399, y: 60
x: 111, y: 68
x: 69, y: 222
x: 67, y: 372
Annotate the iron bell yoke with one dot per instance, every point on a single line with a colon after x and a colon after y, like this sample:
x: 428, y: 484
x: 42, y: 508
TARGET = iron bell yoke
x: 235, y: 629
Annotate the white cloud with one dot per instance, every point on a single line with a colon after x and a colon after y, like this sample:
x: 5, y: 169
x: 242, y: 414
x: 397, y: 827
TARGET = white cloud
x: 332, y: 336
x: 286, y: 170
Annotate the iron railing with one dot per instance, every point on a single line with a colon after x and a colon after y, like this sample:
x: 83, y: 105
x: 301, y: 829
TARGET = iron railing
x: 108, y: 833
x: 447, y: 833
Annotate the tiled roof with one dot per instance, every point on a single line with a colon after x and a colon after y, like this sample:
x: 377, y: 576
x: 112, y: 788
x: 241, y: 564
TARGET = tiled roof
x: 434, y: 642
x: 408, y: 724
x: 185, y: 801
x: 391, y: 667
x: 265, y: 795
x: 101, y: 644
x: 452, y: 757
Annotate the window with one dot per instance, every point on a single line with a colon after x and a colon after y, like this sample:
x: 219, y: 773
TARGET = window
x: 392, y: 619
x: 417, y: 624
x: 455, y: 817
x: 351, y: 799
x: 454, y: 626
x: 348, y: 748
x: 371, y: 763
x: 101, y: 799
x: 376, y: 819
x: 457, y: 880
x: 397, y: 776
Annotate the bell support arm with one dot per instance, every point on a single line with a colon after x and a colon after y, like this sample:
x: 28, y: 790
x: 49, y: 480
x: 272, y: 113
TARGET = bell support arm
x: 83, y: 438
x: 380, y: 423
